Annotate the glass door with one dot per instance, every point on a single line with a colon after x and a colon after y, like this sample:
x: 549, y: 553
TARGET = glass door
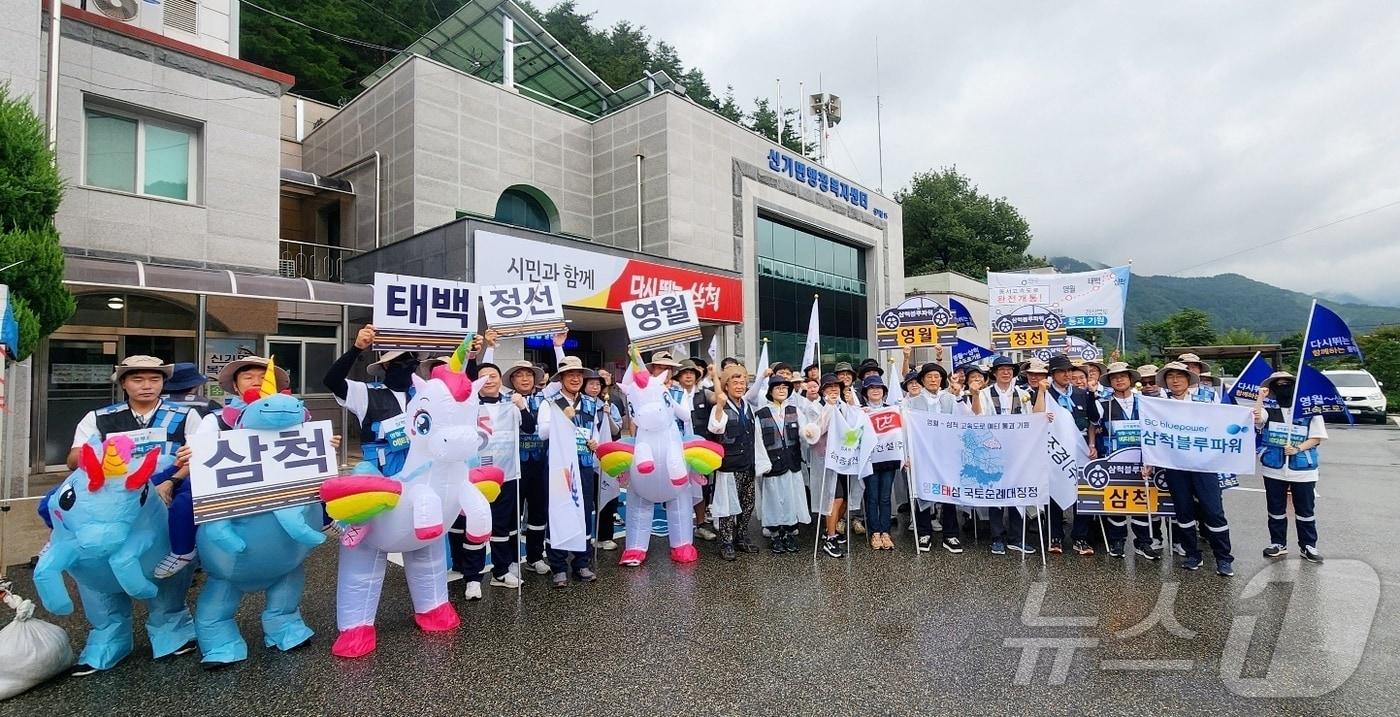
x: 80, y: 379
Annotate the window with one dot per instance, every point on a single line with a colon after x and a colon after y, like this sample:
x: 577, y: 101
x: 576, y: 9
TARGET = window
x: 306, y: 351
x: 140, y: 155
x: 525, y: 207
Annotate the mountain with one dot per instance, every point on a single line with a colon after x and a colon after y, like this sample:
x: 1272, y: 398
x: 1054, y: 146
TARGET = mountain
x: 1232, y: 301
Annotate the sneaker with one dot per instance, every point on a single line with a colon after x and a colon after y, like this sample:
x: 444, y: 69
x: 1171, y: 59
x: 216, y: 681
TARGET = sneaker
x: 1115, y: 548
x: 937, y: 525
x: 173, y: 563
x: 82, y: 670
x: 509, y: 580
x: 1056, y: 547
x: 778, y: 544
x: 767, y: 532
x: 857, y: 526
x: 1179, y: 549
x: 1149, y: 552
x: 474, y: 590
x: 1310, y: 554
x: 744, y: 545
x: 607, y: 545
x: 703, y: 532
x: 185, y: 649
x: 952, y: 545
x: 1275, y: 551
x: 586, y: 575
x: 726, y: 552
x: 1023, y: 548
x: 998, y: 547
x: 561, y: 580
x: 331, y: 530
x: 925, y: 543
x: 1082, y: 547
x: 790, y: 543
x: 540, y: 567
x: 1225, y: 568
x: 1190, y: 564
x: 841, y: 526
x: 353, y: 534
x: 841, y: 537
x: 833, y: 548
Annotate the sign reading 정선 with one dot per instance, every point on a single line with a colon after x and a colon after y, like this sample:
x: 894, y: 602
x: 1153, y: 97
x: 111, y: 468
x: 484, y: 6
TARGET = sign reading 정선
x: 661, y: 321
x: 415, y: 313
x: 245, y: 471
x: 523, y: 309
x: 1026, y: 327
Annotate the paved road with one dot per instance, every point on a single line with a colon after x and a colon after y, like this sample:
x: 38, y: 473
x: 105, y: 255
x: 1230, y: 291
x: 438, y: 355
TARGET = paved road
x: 882, y: 633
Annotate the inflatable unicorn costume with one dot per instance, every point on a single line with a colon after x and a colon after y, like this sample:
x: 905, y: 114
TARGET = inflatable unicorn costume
x: 410, y: 512
x: 657, y: 467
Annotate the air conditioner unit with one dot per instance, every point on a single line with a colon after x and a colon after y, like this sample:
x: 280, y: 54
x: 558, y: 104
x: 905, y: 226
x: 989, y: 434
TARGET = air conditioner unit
x: 124, y: 10
x: 287, y: 267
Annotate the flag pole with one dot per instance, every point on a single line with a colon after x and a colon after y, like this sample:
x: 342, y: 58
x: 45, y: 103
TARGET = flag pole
x: 1297, y: 379
x: 909, y: 479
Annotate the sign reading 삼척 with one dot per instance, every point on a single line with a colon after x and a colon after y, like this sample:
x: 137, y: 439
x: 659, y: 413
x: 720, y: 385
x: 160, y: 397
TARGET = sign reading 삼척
x: 245, y: 471
x: 661, y: 321
x: 414, y: 313
x: 1113, y: 485
x: 523, y: 309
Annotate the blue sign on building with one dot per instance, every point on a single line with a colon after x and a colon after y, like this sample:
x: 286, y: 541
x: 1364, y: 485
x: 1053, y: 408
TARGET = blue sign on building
x: 815, y: 177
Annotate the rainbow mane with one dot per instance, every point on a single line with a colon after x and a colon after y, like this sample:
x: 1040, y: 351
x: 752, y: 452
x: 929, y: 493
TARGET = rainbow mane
x: 614, y: 457
x: 488, y: 480
x: 703, y: 456
x: 355, y: 499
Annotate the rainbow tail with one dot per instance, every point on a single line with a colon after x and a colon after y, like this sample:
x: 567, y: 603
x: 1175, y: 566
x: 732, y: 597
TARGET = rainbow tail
x: 614, y: 457
x: 702, y: 456
x: 488, y: 480
x: 355, y: 499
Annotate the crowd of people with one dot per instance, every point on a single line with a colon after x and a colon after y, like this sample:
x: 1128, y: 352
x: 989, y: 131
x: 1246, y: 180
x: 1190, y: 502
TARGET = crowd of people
x: 773, y: 424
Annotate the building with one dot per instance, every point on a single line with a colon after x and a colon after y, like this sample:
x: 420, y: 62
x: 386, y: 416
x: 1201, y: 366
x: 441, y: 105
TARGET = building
x: 211, y: 214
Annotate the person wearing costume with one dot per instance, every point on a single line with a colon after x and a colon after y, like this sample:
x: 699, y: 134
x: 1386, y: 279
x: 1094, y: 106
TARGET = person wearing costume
x: 378, y: 406
x: 1085, y: 411
x: 785, y: 493
x: 142, y: 379
x: 1003, y: 398
x: 586, y: 413
x: 1119, y: 429
x: 731, y: 424
x: 508, y: 418
x: 1191, y: 489
x: 1290, y: 470
x: 933, y: 399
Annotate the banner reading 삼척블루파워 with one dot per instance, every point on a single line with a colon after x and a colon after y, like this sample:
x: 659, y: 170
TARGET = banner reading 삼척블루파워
x: 1193, y: 436
x: 979, y: 460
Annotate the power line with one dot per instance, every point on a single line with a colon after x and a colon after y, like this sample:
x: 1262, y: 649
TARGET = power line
x: 342, y: 38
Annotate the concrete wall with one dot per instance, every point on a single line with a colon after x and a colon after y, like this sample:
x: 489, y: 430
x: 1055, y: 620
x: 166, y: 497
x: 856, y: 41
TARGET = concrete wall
x: 216, y: 23
x: 20, y: 52
x: 234, y: 221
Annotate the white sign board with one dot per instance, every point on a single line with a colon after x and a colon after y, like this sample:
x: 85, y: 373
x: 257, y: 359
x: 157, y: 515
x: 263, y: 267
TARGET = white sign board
x: 244, y: 471
x: 661, y: 321
x: 523, y: 309
x: 415, y: 313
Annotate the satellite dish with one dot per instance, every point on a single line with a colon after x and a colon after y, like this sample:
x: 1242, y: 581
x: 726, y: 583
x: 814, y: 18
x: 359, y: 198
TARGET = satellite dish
x: 119, y: 9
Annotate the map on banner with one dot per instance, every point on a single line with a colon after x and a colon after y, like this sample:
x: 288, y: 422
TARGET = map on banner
x: 979, y: 460
x: 1026, y: 327
x: 916, y: 321
x: 1086, y: 299
x: 1114, y: 485
x: 523, y: 309
x: 661, y: 321
x: 415, y: 313
x: 245, y: 471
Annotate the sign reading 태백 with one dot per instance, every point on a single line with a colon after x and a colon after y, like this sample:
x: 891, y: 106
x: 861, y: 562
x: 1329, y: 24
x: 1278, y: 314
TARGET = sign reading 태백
x: 1114, y: 485
x: 594, y: 280
x: 916, y: 321
x: 523, y: 309
x: 979, y: 460
x: 1193, y: 436
x: 1025, y: 327
x: 415, y: 313
x: 662, y: 320
x: 245, y: 471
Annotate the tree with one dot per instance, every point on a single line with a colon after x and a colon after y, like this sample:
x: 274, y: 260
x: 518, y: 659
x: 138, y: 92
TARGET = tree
x: 951, y: 226
x: 30, y: 191
x: 1187, y: 327
x: 728, y: 108
x: 764, y: 120
x: 1382, y: 351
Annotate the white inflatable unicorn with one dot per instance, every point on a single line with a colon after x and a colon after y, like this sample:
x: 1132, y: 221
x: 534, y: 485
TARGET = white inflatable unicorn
x: 409, y: 513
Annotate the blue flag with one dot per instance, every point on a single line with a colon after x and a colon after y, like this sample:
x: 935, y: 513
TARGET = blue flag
x: 1328, y: 336
x: 966, y: 353
x: 1316, y: 396
x: 1246, y: 388
x: 960, y: 312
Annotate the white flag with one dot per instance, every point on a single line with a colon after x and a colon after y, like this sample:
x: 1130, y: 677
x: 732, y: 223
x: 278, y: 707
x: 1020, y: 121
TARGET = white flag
x: 809, y: 352
x: 713, y: 351
x: 895, y: 384
x: 979, y: 460
x: 1202, y: 437
x: 1069, y: 455
x: 567, y: 528
x: 762, y: 363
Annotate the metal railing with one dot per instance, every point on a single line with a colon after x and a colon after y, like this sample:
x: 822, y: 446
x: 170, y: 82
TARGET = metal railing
x: 305, y: 260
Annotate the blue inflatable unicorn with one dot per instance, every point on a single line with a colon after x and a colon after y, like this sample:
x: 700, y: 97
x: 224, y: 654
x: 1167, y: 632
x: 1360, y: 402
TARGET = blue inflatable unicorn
x: 264, y: 552
x: 109, y: 532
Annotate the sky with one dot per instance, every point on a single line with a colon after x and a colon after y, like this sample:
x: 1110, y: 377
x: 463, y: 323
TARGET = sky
x: 1178, y: 135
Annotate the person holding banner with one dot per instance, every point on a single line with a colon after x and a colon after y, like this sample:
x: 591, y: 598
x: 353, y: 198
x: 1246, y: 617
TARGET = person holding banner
x: 612, y: 428
x: 731, y: 424
x: 1085, y: 410
x: 1192, y: 488
x: 586, y: 413
x: 507, y: 418
x: 784, y: 493
x: 1000, y: 399
x: 933, y: 399
x: 828, y: 493
x: 879, y: 485
x: 378, y: 406
x: 1121, y: 429
x: 526, y: 381
x: 1202, y: 389
x: 1289, y: 464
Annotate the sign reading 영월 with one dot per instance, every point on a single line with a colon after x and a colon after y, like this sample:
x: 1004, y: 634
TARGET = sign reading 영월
x: 916, y: 321
x: 1193, y: 436
x: 245, y: 471
x: 1113, y: 485
x: 415, y: 313
x: 523, y: 309
x: 662, y: 320
x: 979, y: 460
